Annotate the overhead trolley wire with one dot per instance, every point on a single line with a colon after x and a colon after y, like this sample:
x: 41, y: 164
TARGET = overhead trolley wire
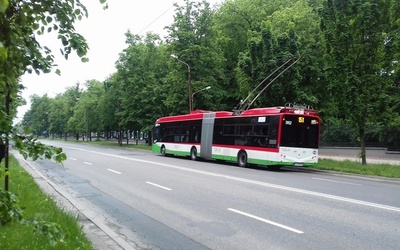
x: 156, y: 19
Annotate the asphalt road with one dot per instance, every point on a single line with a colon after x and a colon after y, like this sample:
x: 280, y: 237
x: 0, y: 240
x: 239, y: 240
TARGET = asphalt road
x: 146, y: 201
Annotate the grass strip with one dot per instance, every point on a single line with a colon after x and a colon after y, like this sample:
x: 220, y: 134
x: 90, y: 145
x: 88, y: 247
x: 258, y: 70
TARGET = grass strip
x: 347, y: 166
x: 39, y: 207
x: 110, y: 143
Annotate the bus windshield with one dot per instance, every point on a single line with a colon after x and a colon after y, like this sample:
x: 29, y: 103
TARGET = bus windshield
x: 300, y: 131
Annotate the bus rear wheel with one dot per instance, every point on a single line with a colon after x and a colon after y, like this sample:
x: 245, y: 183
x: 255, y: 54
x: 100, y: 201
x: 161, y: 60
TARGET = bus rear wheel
x: 242, y: 159
x: 193, y: 153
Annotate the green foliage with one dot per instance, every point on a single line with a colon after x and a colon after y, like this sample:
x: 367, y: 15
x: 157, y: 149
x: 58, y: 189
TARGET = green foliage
x: 356, y: 35
x: 3, y: 5
x: 87, y: 112
x: 20, y: 52
x: 38, y: 115
x: 193, y: 41
x: 23, y: 20
x: 264, y: 54
x: 348, y: 69
x: 43, y: 225
x: 11, y: 212
x: 110, y: 104
x: 29, y: 146
x: 141, y: 93
x: 9, y: 209
x: 51, y: 231
x: 61, y: 110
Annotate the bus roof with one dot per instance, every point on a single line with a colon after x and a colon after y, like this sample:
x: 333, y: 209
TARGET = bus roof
x: 194, y: 115
x: 198, y: 114
x: 278, y: 110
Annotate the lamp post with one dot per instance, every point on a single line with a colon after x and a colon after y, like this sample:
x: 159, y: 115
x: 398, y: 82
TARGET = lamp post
x: 189, y: 82
x: 206, y: 88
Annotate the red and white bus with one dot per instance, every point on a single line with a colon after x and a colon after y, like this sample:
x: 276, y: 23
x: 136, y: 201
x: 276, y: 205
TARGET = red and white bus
x: 271, y: 137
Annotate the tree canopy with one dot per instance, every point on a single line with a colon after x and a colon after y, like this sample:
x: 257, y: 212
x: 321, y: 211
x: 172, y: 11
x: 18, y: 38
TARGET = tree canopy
x: 21, y: 22
x: 348, y: 67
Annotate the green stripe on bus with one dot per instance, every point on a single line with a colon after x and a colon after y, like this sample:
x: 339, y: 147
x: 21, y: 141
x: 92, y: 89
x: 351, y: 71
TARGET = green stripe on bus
x: 157, y: 149
x: 259, y: 161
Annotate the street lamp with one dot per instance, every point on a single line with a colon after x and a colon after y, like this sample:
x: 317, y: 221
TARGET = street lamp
x: 189, y: 82
x: 206, y: 88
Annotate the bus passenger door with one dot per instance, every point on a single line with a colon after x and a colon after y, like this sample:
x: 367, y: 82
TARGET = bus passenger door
x: 207, y: 130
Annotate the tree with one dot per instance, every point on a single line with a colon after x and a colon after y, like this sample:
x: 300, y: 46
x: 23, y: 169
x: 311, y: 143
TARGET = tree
x: 303, y: 19
x: 109, y: 105
x: 70, y: 97
x: 238, y: 24
x: 357, y: 38
x: 86, y: 116
x: 20, y: 52
x: 38, y: 116
x: 141, y: 69
x: 265, y: 53
x: 61, y: 111
x: 193, y: 41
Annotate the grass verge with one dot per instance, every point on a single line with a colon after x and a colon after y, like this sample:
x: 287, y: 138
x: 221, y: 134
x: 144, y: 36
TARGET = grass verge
x: 347, y: 166
x: 39, y: 207
x: 111, y: 143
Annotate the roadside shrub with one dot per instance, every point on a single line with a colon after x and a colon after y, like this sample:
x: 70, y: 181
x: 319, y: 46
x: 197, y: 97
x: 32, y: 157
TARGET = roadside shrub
x: 9, y: 209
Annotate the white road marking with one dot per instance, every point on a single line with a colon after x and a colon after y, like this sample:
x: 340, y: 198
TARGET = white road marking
x: 156, y: 185
x: 343, y: 182
x: 88, y: 163
x: 113, y: 171
x: 74, y: 159
x: 266, y: 221
x: 265, y: 184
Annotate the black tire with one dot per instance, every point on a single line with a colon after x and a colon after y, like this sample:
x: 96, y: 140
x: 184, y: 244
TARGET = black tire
x: 242, y: 159
x: 193, y: 153
x: 163, y: 151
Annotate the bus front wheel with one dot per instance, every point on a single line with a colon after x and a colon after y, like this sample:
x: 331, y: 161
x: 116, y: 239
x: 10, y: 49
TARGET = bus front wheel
x: 193, y: 153
x: 242, y: 159
x: 163, y: 150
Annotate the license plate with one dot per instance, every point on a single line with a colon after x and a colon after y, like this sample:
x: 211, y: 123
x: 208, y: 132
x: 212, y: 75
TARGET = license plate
x: 298, y: 164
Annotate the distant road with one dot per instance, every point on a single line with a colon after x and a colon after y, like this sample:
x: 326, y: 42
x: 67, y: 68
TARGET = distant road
x: 156, y: 202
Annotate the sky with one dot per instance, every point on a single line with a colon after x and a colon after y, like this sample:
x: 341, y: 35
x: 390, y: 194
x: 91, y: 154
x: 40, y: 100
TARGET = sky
x: 104, y: 31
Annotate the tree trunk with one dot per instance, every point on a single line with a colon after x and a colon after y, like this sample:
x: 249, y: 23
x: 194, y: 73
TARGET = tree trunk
x: 6, y: 149
x: 119, y: 137
x: 362, y: 142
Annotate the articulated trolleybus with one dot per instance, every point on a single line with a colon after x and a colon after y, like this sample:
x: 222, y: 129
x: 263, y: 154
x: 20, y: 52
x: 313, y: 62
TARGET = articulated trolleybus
x: 271, y: 137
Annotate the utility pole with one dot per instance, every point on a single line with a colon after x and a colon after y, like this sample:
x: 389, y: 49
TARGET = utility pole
x: 189, y: 81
